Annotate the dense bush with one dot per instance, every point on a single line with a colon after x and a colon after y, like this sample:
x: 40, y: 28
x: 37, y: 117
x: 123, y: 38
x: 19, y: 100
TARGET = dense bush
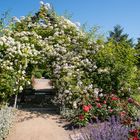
x: 7, y: 81
x: 114, y: 81
x: 6, y: 118
x: 117, y: 71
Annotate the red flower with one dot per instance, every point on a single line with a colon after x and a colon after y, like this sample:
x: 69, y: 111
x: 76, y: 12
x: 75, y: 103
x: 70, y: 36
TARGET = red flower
x: 99, y: 105
x: 81, y: 117
x: 90, y: 106
x: 114, y: 98
x: 86, y: 108
x: 134, y: 132
x: 136, y: 138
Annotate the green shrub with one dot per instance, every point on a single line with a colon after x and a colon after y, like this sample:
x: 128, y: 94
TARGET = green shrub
x: 38, y: 74
x: 117, y: 71
x: 7, y: 85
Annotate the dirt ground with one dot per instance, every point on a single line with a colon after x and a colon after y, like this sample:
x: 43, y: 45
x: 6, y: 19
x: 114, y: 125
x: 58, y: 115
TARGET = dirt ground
x: 32, y: 125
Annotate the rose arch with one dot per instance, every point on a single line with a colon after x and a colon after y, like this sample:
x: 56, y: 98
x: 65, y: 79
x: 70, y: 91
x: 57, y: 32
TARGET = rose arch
x: 52, y: 42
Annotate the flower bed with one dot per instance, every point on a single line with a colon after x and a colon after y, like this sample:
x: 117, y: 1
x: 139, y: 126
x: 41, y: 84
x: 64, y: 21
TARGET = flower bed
x: 114, y: 129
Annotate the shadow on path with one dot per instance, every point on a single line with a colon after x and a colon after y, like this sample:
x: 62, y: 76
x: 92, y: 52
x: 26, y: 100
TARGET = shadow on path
x: 37, y: 124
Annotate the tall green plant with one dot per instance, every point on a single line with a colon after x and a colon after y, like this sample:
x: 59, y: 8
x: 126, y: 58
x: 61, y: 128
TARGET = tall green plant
x: 117, y: 69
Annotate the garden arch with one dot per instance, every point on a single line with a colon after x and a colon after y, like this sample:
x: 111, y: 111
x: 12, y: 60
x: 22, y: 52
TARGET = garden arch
x: 46, y: 39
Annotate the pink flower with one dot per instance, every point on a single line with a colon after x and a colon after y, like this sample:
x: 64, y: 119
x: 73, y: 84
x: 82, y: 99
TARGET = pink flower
x: 104, y: 102
x: 110, y: 110
x: 97, y: 99
x: 99, y: 105
x: 123, y: 113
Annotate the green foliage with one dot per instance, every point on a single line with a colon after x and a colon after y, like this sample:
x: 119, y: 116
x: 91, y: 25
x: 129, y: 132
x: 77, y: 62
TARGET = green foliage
x: 138, y: 51
x: 117, y: 70
x: 136, y: 97
x: 7, y: 81
x: 133, y: 111
x: 38, y: 74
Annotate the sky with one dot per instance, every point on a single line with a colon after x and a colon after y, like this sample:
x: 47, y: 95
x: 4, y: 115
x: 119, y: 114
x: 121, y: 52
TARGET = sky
x: 103, y: 13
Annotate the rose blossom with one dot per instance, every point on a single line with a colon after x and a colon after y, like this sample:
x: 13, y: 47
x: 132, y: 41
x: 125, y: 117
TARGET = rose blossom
x: 114, y: 98
x: 99, y: 105
x: 86, y: 108
x: 81, y: 117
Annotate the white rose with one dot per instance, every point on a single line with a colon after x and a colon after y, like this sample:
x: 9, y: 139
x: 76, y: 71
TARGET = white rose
x: 20, y: 88
x: 101, y: 95
x: 74, y: 104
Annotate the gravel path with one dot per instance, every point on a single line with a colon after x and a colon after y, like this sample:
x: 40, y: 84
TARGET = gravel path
x: 31, y: 125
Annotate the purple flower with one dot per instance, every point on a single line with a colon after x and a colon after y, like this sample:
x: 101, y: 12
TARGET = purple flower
x: 108, y: 130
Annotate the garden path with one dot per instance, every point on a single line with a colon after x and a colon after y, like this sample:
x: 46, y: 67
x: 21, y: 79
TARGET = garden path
x: 31, y: 125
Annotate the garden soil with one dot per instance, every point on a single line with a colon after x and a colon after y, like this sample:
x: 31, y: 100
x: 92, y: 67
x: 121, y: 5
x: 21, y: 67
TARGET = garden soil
x: 32, y: 125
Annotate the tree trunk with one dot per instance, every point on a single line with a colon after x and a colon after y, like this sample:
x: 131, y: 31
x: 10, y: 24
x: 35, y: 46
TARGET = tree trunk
x: 15, y: 103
